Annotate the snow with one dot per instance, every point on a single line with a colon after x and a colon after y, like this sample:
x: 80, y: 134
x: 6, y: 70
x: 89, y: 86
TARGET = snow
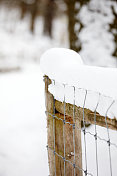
x: 23, y: 136
x: 57, y: 58
x: 97, y: 41
x: 66, y: 67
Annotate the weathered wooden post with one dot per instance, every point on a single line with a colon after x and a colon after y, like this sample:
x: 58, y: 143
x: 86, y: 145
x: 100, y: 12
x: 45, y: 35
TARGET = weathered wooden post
x: 56, y: 163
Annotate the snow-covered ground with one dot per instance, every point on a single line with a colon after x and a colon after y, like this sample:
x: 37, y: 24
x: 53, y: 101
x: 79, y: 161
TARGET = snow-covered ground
x: 23, y: 124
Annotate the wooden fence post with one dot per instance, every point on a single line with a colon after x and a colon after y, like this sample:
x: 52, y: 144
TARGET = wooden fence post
x: 57, y: 164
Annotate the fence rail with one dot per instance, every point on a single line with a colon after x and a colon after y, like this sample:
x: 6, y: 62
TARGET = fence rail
x: 67, y: 131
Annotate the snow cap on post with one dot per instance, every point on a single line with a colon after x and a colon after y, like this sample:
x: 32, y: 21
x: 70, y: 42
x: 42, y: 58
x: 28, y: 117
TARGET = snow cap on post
x: 56, y: 59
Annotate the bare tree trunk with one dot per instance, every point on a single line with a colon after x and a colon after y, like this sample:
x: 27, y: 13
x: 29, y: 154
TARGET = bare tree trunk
x: 75, y: 24
x: 74, y: 41
x: 48, y: 16
x: 23, y: 9
x: 32, y: 9
x: 33, y: 15
x: 113, y: 30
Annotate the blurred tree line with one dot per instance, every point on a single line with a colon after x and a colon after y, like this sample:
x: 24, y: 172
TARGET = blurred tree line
x: 49, y: 9
x: 45, y: 8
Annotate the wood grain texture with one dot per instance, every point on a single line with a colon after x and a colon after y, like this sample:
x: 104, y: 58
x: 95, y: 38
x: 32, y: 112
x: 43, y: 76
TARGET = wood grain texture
x: 89, y: 115
x: 59, y: 142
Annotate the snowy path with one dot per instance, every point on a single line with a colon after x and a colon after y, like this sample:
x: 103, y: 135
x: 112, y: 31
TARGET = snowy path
x: 22, y: 124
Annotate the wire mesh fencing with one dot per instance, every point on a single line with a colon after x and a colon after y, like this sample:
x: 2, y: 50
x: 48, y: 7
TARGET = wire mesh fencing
x: 72, y: 130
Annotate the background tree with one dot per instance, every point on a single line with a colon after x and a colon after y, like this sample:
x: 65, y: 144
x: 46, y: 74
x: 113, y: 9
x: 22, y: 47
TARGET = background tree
x: 73, y: 10
x: 113, y: 27
x: 32, y: 8
x: 48, y: 15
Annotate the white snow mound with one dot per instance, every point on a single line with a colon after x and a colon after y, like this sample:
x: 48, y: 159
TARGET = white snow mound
x: 55, y: 59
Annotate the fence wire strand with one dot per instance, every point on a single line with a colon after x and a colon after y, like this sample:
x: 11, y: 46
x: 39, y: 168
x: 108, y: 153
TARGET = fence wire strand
x: 96, y: 134
x: 54, y: 132
x: 84, y: 131
x: 64, y: 128
x: 74, y: 125
x: 109, y: 136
